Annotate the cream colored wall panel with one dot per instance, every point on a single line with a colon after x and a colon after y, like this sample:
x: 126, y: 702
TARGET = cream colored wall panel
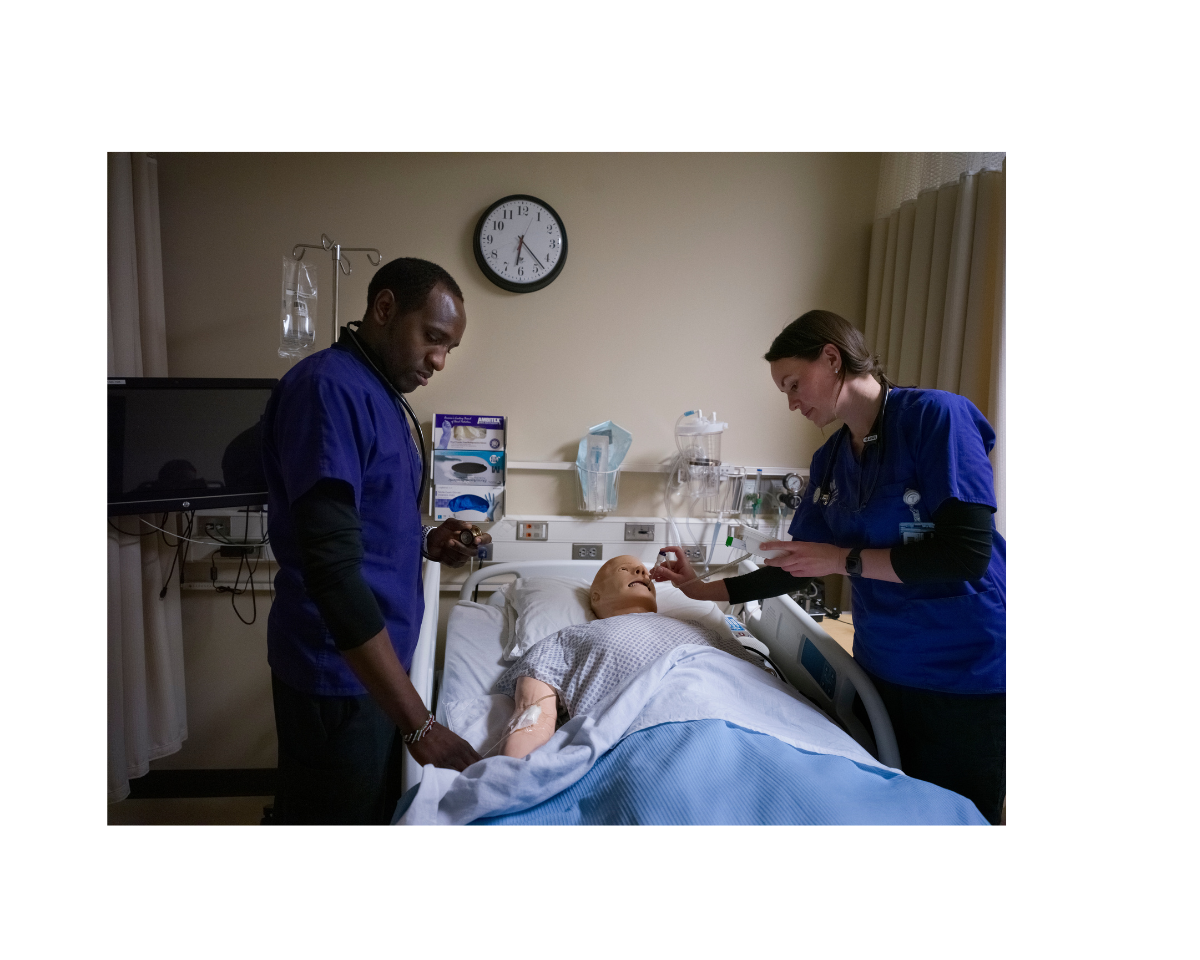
x: 681, y: 269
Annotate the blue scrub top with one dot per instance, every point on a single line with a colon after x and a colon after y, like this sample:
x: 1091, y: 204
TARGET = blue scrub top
x: 949, y: 636
x: 331, y: 417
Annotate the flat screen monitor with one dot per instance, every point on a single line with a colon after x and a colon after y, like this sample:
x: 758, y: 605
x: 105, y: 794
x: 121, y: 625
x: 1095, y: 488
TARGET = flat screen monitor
x: 185, y: 443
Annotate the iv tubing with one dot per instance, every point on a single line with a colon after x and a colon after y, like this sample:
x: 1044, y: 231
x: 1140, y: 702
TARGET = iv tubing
x: 508, y: 733
x: 724, y: 566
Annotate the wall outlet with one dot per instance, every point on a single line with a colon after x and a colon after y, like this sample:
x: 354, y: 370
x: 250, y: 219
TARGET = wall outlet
x: 531, y: 531
x: 216, y: 527
x: 639, y: 531
x: 587, y: 551
x: 695, y: 554
x: 484, y: 551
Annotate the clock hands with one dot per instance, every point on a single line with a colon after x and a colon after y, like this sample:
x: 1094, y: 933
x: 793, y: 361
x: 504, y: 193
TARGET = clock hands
x: 530, y: 252
x: 521, y: 246
x: 521, y: 241
x: 536, y: 260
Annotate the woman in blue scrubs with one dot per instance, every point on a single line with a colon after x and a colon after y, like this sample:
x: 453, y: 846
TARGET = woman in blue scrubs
x: 900, y: 499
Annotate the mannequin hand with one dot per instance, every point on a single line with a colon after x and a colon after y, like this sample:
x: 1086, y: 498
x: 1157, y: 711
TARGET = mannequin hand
x: 676, y: 570
x: 443, y: 748
x: 804, y: 559
x: 444, y: 546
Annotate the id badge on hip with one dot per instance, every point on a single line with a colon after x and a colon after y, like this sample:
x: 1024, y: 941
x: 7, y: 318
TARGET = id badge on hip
x: 912, y: 532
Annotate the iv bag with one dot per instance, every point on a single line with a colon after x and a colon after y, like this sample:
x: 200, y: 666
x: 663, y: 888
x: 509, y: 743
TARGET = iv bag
x: 298, y: 310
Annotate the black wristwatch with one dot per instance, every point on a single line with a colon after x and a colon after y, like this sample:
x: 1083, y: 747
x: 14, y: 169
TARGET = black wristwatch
x: 854, y: 563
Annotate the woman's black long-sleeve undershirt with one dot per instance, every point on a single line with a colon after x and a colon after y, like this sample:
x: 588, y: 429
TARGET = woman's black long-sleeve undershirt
x: 960, y: 549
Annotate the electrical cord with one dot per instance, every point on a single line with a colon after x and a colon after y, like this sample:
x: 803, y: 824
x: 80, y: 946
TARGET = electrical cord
x: 180, y: 550
x: 126, y: 533
x: 214, y: 543
x: 229, y: 542
x: 237, y: 589
x: 774, y: 665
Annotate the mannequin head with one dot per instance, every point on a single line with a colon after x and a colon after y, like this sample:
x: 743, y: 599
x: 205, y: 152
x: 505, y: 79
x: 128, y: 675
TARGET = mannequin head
x: 623, y: 586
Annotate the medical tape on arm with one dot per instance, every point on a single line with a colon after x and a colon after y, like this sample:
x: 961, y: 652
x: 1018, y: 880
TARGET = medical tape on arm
x: 525, y: 720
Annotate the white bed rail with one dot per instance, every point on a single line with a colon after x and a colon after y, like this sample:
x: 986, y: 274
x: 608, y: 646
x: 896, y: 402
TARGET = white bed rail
x: 421, y: 673
x: 575, y: 569
x: 822, y: 670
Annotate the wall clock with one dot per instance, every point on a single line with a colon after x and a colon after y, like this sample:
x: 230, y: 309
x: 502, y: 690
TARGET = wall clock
x: 520, y: 243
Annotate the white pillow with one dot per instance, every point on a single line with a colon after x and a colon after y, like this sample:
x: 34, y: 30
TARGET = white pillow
x: 545, y: 605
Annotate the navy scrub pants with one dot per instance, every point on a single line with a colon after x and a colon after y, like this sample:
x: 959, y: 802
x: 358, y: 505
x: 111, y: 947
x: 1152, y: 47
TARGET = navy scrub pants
x: 339, y: 759
x: 956, y: 741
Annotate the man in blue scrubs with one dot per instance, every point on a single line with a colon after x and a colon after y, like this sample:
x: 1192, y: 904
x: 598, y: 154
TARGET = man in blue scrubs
x: 344, y: 474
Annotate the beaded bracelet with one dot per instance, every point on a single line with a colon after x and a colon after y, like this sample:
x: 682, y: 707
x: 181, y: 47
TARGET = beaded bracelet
x: 420, y: 732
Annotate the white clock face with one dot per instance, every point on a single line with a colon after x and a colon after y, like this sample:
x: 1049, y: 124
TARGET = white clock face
x: 521, y: 241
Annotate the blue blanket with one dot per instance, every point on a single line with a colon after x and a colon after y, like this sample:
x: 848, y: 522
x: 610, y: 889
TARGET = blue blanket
x: 698, y: 736
x: 714, y: 772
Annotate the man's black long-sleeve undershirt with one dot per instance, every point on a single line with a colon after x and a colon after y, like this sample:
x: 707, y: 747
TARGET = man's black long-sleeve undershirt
x: 329, y: 534
x: 960, y: 549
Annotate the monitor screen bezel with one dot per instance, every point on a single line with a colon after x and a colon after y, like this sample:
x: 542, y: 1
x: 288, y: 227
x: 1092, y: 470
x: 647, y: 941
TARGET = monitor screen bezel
x: 124, y: 508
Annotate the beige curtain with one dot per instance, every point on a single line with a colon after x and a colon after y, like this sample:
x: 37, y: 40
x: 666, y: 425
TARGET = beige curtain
x: 147, y: 714
x: 935, y: 290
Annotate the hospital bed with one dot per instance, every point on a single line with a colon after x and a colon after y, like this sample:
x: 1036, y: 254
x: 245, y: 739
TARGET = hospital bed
x: 810, y: 660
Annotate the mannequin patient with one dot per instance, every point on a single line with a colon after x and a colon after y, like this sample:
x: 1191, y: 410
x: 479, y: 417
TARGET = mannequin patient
x: 580, y: 666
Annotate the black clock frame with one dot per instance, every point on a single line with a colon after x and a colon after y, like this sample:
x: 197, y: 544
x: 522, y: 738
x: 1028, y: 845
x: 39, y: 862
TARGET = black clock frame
x: 509, y: 285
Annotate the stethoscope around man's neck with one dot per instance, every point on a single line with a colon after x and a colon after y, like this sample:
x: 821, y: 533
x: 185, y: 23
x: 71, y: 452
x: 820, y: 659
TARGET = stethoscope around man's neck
x: 824, y: 493
x: 365, y: 354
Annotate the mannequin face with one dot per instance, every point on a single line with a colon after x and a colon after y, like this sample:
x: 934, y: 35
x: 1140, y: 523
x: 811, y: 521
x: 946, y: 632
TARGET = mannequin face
x: 811, y: 386
x: 623, y: 586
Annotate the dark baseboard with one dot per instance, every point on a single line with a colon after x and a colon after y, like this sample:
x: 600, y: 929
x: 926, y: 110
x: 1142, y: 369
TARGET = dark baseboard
x: 161, y: 784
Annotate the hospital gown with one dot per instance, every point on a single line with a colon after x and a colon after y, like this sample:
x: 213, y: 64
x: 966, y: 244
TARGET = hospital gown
x: 587, y: 662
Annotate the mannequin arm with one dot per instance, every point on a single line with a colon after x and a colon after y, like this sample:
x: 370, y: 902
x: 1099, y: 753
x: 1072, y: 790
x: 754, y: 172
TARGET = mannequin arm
x: 529, y: 691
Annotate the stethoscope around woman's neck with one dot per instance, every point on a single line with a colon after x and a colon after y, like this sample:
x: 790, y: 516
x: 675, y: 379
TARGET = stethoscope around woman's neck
x: 824, y: 492
x: 364, y: 353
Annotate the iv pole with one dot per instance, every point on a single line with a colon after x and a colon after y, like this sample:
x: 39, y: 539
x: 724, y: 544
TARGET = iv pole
x: 340, y: 263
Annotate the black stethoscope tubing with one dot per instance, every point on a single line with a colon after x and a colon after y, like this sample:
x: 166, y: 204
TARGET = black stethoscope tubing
x: 362, y: 352
x: 823, y: 494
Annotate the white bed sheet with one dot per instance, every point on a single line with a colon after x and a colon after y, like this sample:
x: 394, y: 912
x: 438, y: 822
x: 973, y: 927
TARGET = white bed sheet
x: 475, y: 635
x: 474, y: 651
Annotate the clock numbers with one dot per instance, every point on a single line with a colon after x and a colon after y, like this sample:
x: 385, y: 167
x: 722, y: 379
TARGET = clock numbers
x: 524, y: 257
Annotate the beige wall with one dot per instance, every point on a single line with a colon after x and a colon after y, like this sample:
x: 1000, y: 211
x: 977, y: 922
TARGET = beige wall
x: 681, y: 269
